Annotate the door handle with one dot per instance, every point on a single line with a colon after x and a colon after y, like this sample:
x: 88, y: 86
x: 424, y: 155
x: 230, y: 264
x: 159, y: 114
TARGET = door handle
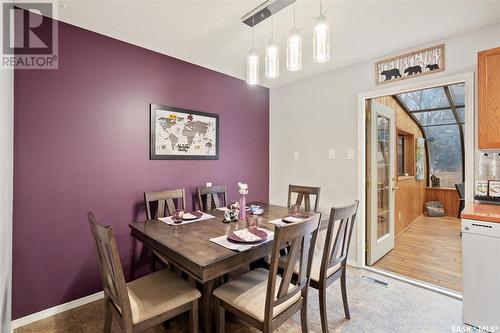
x: 394, y: 188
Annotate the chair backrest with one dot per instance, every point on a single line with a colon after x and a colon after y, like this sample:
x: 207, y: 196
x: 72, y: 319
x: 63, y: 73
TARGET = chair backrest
x: 113, y: 281
x: 304, y: 194
x: 338, y: 237
x: 301, y: 238
x: 461, y: 190
x: 161, y: 204
x: 211, y: 197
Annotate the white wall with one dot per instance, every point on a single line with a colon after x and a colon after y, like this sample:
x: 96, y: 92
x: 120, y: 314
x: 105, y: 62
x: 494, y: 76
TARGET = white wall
x: 6, y: 178
x: 315, y: 114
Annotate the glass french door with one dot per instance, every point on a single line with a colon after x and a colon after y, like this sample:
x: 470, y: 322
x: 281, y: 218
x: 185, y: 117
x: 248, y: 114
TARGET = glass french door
x: 381, y: 182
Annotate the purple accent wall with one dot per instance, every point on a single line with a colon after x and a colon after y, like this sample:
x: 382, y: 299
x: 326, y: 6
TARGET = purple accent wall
x: 82, y: 143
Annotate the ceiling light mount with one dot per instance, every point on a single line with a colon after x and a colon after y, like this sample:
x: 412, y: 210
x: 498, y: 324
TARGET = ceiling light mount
x: 264, y: 11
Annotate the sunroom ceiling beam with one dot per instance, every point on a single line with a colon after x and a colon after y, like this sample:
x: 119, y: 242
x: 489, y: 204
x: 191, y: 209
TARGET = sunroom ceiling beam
x: 437, y: 109
x: 437, y: 125
x: 460, y: 127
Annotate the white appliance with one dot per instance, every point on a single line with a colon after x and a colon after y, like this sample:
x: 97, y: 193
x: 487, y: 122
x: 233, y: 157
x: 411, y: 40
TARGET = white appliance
x: 481, y: 274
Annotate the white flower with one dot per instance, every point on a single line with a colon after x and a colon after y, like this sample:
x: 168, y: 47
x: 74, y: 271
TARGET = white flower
x: 243, y: 188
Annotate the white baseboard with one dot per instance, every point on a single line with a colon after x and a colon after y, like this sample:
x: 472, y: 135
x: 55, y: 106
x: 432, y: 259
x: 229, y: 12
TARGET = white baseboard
x: 56, y: 310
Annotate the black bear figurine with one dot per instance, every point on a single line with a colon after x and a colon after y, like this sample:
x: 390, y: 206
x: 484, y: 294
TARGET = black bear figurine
x: 432, y: 67
x: 413, y: 70
x: 390, y: 73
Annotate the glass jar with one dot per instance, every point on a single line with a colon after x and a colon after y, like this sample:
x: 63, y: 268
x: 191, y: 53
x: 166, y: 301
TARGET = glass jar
x: 483, y: 173
x: 494, y: 172
x: 252, y: 221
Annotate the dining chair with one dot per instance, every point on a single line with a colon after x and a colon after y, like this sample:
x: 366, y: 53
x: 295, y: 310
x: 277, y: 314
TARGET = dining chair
x: 145, y: 302
x: 329, y: 263
x: 210, y: 197
x: 162, y: 204
x: 333, y: 263
x: 265, y: 300
x: 304, y: 195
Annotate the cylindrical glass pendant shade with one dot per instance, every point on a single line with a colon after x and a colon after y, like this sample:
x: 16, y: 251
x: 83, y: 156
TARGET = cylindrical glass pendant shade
x: 294, y: 51
x: 321, y: 40
x: 253, y: 68
x: 272, y: 60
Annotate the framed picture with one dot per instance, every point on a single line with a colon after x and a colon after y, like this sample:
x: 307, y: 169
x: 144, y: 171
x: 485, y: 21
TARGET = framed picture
x: 420, y: 159
x: 181, y: 134
x: 409, y: 65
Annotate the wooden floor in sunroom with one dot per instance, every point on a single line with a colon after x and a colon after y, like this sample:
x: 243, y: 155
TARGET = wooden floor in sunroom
x: 430, y: 250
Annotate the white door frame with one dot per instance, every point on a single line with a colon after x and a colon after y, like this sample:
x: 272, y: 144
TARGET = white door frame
x: 469, y: 142
x: 6, y: 197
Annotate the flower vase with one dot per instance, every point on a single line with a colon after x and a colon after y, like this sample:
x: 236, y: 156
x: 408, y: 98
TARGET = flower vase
x: 243, y: 205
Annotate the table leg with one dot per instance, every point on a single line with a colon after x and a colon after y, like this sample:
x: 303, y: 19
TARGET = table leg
x: 207, y: 305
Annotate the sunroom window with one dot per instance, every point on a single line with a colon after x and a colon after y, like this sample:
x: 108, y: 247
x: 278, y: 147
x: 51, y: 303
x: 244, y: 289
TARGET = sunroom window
x: 440, y: 113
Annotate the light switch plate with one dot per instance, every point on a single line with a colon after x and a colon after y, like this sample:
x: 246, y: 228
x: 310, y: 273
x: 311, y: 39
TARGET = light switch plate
x: 331, y: 154
x: 350, y: 154
x: 296, y: 155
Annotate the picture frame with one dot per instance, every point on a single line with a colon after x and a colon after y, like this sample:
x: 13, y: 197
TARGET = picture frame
x: 426, y: 61
x: 420, y: 159
x: 182, y: 134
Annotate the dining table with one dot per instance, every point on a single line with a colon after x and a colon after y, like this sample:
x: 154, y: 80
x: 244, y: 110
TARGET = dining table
x: 189, y: 249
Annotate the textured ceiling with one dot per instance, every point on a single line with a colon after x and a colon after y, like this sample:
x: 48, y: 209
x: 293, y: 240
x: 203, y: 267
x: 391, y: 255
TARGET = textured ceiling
x: 210, y: 33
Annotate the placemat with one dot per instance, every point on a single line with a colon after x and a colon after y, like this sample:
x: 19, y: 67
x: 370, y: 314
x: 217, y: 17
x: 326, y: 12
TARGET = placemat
x: 168, y: 220
x: 222, y: 241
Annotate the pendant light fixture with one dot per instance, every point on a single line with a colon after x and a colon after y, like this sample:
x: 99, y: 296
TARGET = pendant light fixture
x: 321, y: 38
x: 272, y: 56
x: 253, y: 63
x: 294, y: 48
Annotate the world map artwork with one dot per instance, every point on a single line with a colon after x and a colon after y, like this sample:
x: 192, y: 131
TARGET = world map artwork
x: 179, y: 133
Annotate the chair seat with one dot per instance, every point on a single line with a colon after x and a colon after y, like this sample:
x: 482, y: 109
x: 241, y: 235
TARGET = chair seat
x: 315, y: 266
x: 247, y: 293
x: 158, y: 293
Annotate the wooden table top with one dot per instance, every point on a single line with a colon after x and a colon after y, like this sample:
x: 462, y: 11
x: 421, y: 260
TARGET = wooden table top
x: 189, y: 247
x: 482, y: 212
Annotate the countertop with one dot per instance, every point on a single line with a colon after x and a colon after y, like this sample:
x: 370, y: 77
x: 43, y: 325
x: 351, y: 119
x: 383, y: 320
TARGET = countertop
x: 482, y: 212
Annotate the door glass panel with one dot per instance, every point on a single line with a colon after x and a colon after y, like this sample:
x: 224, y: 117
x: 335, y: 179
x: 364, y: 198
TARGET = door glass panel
x: 383, y: 175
